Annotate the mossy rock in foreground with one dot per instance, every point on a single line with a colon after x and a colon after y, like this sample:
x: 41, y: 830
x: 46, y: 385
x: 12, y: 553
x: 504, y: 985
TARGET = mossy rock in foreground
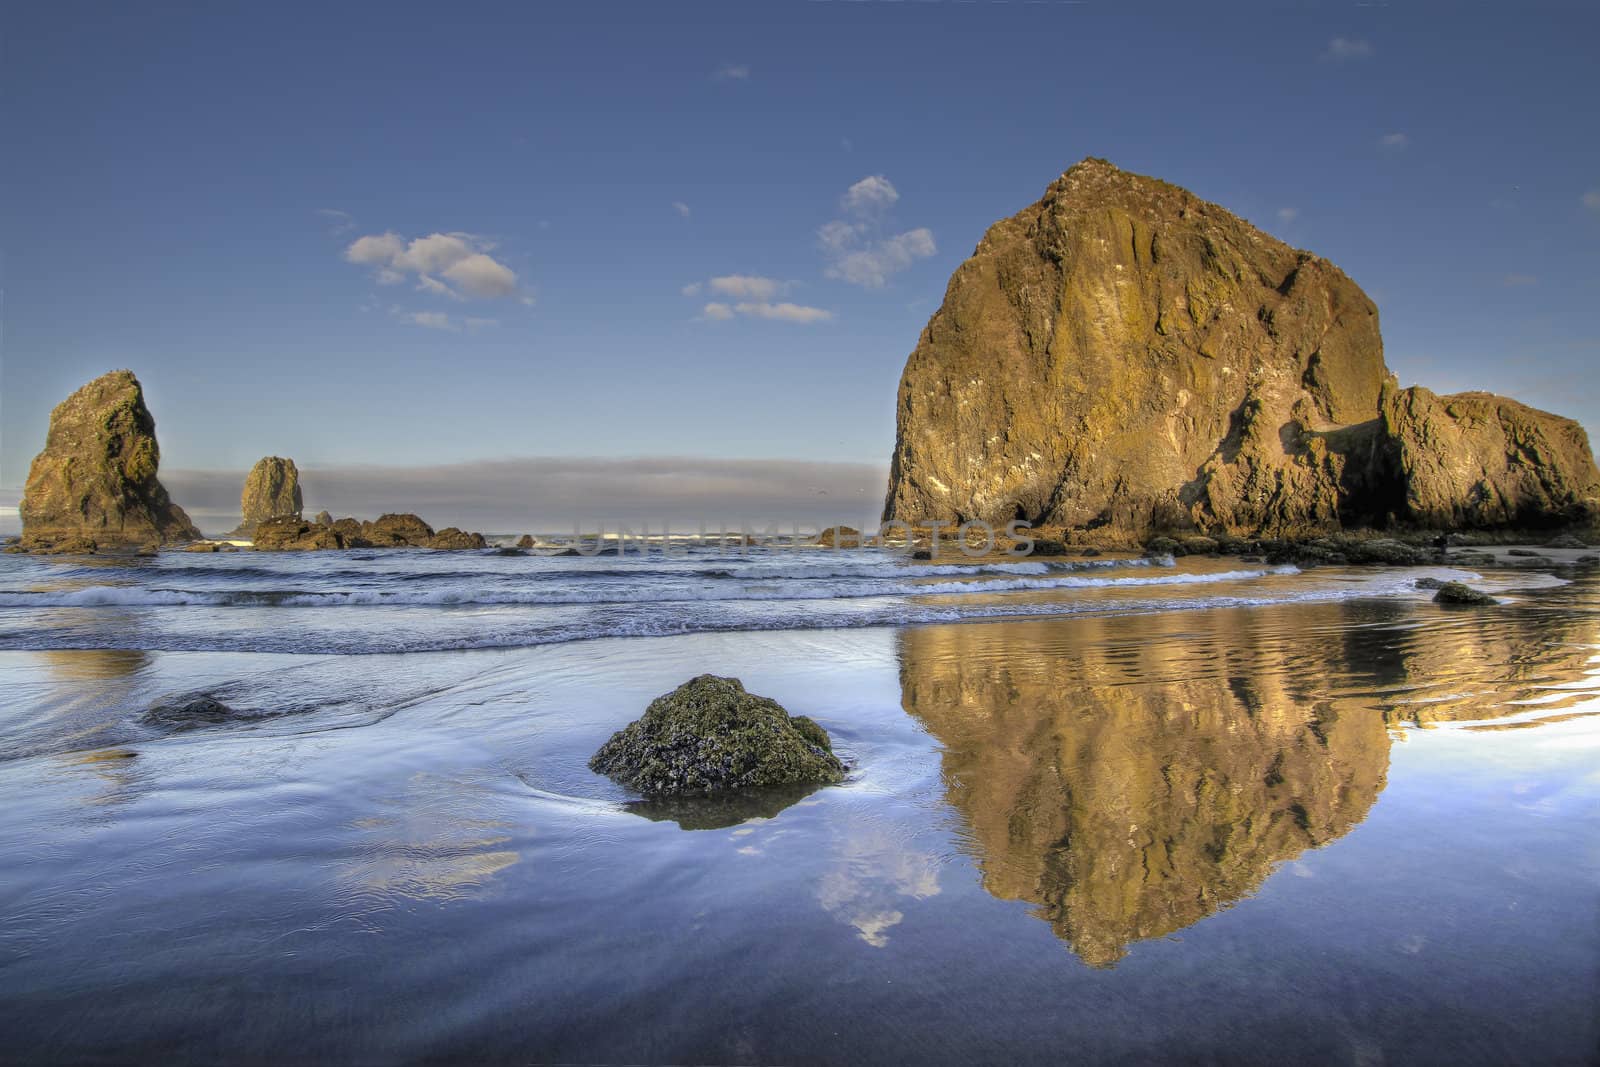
x: 709, y: 735
x: 1457, y: 593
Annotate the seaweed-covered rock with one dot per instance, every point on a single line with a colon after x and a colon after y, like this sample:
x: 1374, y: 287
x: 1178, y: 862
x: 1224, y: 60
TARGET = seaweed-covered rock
x: 188, y: 711
x: 1457, y: 593
x: 1430, y: 583
x: 525, y: 541
x: 709, y: 735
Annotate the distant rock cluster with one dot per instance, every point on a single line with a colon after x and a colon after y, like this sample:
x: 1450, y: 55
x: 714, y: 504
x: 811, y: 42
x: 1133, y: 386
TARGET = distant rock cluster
x: 94, y: 488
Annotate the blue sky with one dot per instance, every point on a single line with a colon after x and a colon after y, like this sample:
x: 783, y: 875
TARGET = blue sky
x: 183, y: 186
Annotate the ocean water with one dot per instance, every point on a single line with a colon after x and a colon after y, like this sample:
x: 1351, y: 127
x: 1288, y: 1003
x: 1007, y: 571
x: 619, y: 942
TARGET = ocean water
x: 1097, y: 810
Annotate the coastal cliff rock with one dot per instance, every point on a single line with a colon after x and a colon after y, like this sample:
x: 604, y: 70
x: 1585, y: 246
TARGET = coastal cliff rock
x: 323, y: 518
x: 271, y: 490
x: 709, y: 735
x: 1123, y: 355
x: 95, y: 483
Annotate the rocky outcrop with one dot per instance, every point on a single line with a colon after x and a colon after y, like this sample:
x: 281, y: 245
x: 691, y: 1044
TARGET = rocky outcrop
x: 839, y: 537
x: 709, y: 735
x: 452, y: 539
x: 271, y: 491
x: 396, y: 531
x: 289, y: 534
x: 95, y: 485
x: 323, y: 519
x: 1124, y: 356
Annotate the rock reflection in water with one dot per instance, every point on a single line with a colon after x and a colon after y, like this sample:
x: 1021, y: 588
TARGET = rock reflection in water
x: 718, y: 811
x: 1132, y: 776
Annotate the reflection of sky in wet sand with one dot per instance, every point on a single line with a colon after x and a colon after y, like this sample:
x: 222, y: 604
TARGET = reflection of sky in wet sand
x: 1131, y: 776
x: 438, y: 840
x: 872, y: 878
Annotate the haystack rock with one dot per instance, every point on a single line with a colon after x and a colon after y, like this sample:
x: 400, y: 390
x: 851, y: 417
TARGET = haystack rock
x: 271, y: 491
x: 1124, y: 356
x: 95, y: 483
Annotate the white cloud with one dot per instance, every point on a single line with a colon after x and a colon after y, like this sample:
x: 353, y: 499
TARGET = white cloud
x: 1288, y: 214
x: 681, y: 208
x: 871, y: 263
x: 872, y: 193
x: 454, y: 265
x: 433, y: 320
x: 746, y: 286
x: 855, y: 251
x: 1396, y: 141
x: 339, y: 222
x: 482, y: 276
x: 735, y: 72
x: 375, y: 249
x: 1591, y: 200
x: 785, y: 312
x: 428, y: 284
x: 716, y: 311
x: 692, y: 289
x: 1347, y: 49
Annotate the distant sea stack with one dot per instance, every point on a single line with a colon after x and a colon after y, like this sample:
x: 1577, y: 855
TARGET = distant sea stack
x: 1124, y: 356
x: 271, y: 491
x: 95, y: 485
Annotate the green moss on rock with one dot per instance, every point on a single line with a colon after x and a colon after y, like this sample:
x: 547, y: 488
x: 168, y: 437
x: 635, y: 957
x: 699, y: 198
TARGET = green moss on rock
x: 709, y: 735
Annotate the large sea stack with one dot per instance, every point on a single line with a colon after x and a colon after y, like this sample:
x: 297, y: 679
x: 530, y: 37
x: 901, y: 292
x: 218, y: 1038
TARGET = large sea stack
x: 95, y: 484
x: 271, y: 491
x: 1124, y: 356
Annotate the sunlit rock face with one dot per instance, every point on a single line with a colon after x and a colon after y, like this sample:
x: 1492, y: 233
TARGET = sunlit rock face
x: 1124, y: 356
x: 1129, y: 811
x: 95, y: 483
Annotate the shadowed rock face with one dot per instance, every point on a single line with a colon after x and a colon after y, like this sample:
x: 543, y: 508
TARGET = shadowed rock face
x: 1476, y: 459
x: 271, y: 491
x: 1124, y: 354
x: 95, y: 482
